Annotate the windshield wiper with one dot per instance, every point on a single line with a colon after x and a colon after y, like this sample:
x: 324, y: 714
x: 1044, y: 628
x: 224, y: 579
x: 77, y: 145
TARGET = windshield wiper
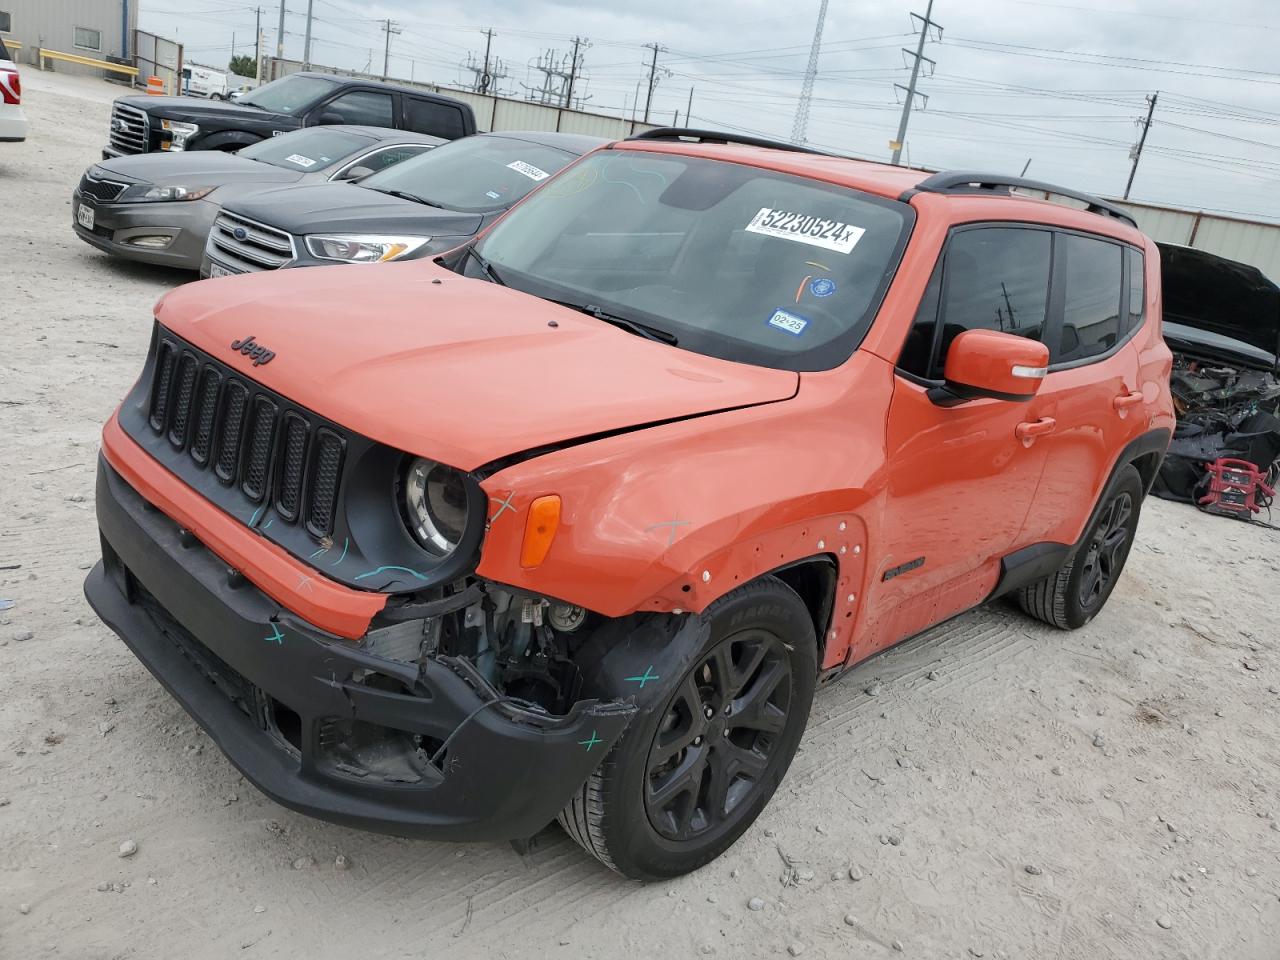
x: 406, y: 195
x: 485, y: 266
x: 624, y: 323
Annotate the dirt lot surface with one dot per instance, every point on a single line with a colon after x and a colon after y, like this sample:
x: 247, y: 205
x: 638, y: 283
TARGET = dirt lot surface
x: 993, y: 788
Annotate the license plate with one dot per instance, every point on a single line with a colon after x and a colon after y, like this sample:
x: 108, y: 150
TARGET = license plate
x: 84, y: 216
x: 217, y: 270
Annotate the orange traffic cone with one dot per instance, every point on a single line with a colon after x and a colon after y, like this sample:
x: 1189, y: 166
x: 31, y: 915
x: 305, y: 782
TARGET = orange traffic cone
x: 155, y: 87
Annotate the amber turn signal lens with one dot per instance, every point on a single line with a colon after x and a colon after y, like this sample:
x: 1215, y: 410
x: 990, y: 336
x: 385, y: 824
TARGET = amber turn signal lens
x: 539, y: 530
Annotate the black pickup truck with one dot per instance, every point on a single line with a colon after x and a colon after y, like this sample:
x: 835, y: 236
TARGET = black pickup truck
x: 145, y: 124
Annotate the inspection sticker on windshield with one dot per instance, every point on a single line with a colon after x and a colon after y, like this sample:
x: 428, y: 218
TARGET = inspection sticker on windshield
x: 300, y: 160
x: 528, y: 169
x: 791, y: 323
x: 803, y: 228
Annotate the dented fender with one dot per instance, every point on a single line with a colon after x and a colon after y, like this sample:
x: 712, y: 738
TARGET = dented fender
x: 670, y: 518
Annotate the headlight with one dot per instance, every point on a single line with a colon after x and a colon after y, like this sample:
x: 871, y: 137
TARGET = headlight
x: 363, y: 249
x: 145, y: 191
x: 435, y: 504
x: 179, y: 133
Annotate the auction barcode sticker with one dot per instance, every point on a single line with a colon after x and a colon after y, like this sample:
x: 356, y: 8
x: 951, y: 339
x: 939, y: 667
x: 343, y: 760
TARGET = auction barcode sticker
x: 300, y: 160
x: 803, y: 228
x: 528, y: 169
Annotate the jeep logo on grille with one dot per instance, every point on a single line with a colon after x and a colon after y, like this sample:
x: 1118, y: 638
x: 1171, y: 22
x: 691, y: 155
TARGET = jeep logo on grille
x: 240, y: 233
x: 255, y: 351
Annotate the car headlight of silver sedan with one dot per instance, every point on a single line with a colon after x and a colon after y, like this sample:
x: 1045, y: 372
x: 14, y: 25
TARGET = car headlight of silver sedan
x: 157, y: 194
x: 362, y: 248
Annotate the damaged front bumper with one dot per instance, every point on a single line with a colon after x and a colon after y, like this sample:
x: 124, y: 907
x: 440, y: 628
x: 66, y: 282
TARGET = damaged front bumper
x: 319, y: 724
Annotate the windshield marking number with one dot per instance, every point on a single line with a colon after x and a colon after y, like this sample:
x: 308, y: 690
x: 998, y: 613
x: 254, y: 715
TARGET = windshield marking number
x: 528, y: 169
x: 300, y: 160
x: 803, y: 228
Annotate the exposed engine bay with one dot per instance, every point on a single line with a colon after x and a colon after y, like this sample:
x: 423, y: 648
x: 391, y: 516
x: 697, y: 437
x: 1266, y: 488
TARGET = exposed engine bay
x: 525, y: 647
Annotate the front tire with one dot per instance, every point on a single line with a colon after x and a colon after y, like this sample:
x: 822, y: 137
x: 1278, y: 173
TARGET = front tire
x: 697, y: 766
x: 1077, y: 592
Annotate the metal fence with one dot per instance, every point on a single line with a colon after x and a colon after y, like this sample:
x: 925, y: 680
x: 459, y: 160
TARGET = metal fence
x: 158, y: 57
x: 492, y: 113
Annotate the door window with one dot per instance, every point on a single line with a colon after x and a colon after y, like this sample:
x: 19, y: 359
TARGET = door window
x: 993, y: 278
x: 436, y: 119
x: 1091, y: 272
x: 1137, y: 286
x: 360, y: 106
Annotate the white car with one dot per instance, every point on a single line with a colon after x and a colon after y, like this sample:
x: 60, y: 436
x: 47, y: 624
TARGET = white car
x: 13, y: 123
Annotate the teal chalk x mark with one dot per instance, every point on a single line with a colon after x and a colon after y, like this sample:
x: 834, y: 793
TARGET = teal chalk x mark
x: 345, y: 543
x: 590, y: 741
x: 276, y: 636
x: 374, y: 573
x: 644, y: 677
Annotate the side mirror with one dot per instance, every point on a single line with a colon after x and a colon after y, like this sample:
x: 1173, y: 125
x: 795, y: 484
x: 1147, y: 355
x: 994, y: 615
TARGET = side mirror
x: 355, y: 173
x: 330, y: 118
x: 987, y: 363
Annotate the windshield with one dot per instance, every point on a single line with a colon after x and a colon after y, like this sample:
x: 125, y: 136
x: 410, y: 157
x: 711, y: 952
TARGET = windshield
x: 473, y: 175
x: 306, y: 151
x: 735, y: 261
x: 288, y: 94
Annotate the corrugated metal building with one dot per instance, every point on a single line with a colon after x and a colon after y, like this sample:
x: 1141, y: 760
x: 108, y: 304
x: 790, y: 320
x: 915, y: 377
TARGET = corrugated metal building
x: 1246, y: 241
x: 89, y: 28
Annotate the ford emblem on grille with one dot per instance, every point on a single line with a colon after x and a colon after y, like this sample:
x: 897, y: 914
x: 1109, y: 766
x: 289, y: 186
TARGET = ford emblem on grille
x: 255, y: 351
x: 240, y: 233
x: 117, y: 124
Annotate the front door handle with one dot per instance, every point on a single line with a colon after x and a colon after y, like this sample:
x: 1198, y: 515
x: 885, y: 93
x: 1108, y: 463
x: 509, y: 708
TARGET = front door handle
x: 1127, y: 400
x: 1028, y: 430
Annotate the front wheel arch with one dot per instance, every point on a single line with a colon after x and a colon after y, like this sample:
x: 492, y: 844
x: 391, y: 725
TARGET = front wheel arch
x: 226, y: 141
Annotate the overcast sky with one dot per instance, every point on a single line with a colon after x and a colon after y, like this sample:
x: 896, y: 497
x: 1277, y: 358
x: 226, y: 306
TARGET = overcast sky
x: 1058, y: 83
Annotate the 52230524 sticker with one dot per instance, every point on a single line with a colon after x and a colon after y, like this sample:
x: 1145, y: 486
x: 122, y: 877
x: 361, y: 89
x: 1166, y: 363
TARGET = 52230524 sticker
x: 804, y: 228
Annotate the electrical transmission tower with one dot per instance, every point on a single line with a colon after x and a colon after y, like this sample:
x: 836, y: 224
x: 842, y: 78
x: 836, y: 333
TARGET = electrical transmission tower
x: 917, y: 58
x: 559, y: 73
x: 486, y: 73
x: 800, y: 127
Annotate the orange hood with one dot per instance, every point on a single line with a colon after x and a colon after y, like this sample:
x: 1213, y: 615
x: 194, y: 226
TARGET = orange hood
x: 461, y: 371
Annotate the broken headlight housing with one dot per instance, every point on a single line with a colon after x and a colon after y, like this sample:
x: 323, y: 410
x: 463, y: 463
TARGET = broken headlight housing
x: 435, y: 504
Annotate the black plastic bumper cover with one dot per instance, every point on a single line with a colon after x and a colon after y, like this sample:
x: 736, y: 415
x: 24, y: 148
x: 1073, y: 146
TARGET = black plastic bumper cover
x: 503, y: 773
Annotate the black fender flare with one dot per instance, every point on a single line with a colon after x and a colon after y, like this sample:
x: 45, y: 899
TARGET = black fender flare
x: 226, y: 140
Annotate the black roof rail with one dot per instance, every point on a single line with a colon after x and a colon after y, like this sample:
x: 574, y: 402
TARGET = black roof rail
x: 964, y: 181
x: 719, y: 136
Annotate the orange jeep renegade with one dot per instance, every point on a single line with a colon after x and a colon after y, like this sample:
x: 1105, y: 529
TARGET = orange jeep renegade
x: 570, y: 522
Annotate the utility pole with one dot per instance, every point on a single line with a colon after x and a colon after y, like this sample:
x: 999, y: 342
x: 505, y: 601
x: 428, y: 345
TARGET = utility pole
x: 280, y: 34
x: 1136, y: 152
x: 918, y: 58
x: 688, y: 112
x: 575, y: 64
x: 306, y: 40
x: 653, y: 76
x: 388, y: 28
x: 485, y: 79
x: 257, y: 47
x: 800, y: 127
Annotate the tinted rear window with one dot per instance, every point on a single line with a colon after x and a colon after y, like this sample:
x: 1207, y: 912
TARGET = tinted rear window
x: 437, y: 119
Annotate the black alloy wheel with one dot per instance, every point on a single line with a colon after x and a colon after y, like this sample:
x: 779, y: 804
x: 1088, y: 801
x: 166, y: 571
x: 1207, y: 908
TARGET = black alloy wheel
x: 717, y: 734
x: 1106, y: 551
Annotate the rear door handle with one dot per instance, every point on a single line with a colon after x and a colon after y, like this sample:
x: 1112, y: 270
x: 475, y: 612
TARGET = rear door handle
x: 1028, y: 430
x: 1127, y: 400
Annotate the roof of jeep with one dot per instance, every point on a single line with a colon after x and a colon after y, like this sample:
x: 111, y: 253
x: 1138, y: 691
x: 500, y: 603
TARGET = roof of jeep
x: 880, y: 179
x: 985, y: 195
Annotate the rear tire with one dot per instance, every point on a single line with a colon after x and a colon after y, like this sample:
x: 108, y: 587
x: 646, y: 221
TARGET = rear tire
x: 696, y: 767
x: 1078, y: 591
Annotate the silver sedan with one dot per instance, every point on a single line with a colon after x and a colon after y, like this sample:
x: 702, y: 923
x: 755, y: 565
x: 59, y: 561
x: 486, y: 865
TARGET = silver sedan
x: 159, y: 207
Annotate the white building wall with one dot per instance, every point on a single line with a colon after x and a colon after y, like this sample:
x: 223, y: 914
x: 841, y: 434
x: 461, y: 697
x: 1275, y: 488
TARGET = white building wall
x: 1246, y: 241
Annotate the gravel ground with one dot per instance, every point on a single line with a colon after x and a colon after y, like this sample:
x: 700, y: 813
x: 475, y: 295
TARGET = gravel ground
x: 992, y: 788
